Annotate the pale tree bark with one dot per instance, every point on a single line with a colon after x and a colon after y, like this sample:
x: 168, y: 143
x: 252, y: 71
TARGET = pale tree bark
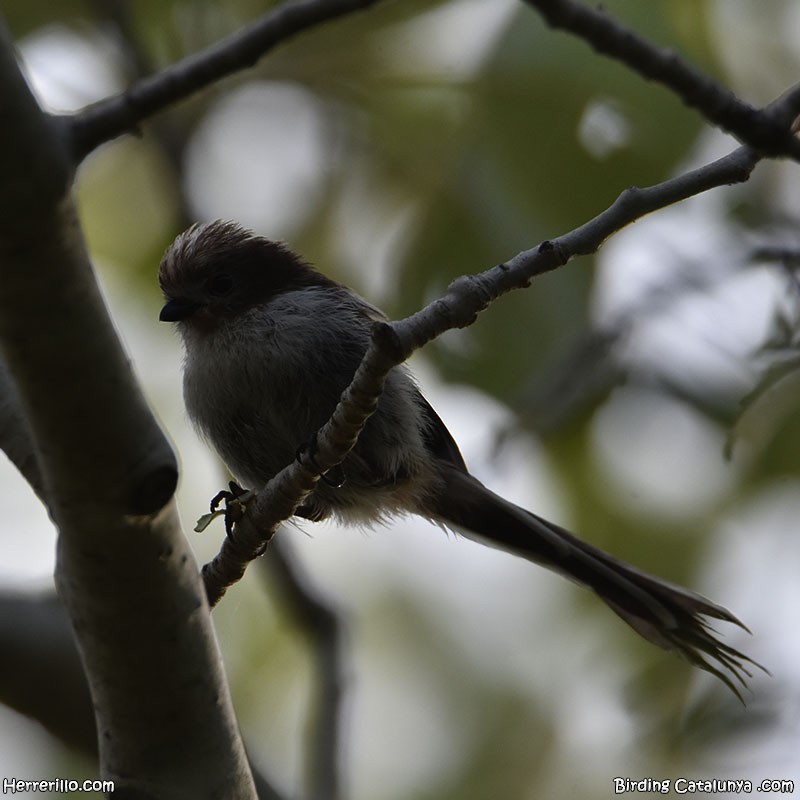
x: 124, y: 571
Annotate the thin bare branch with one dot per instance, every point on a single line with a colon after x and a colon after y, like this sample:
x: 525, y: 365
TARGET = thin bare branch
x: 262, y: 514
x: 114, y: 116
x: 766, y: 130
x: 394, y: 342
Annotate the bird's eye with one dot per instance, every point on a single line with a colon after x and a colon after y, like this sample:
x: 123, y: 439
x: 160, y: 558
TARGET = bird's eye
x: 219, y: 285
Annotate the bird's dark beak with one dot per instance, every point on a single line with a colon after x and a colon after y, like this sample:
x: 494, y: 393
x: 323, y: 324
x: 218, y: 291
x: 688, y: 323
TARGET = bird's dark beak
x: 176, y: 309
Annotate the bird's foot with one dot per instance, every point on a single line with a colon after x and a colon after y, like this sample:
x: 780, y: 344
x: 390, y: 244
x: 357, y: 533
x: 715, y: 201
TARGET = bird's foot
x: 334, y: 477
x: 235, y: 498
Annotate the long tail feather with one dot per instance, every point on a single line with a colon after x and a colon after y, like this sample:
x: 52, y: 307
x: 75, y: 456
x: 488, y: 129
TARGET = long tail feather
x: 667, y: 615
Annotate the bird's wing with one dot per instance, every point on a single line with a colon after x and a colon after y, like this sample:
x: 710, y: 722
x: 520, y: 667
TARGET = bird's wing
x: 438, y: 439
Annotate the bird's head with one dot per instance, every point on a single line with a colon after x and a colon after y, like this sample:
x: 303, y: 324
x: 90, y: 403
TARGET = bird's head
x: 218, y: 270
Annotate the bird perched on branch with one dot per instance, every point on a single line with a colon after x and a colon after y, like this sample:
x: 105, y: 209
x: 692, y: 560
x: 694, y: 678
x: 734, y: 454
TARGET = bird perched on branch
x: 271, y: 343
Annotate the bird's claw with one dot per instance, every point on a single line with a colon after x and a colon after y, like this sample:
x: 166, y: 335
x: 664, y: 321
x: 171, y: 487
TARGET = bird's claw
x: 235, y: 499
x: 334, y: 477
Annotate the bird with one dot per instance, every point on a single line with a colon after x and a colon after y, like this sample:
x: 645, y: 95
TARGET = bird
x: 270, y: 343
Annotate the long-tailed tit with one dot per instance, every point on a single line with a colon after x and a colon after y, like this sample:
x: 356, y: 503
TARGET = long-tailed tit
x: 271, y: 344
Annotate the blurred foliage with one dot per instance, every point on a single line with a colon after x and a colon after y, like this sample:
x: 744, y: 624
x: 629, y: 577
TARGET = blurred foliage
x: 446, y: 151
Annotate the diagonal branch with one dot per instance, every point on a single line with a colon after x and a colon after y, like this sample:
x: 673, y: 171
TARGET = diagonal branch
x: 123, y: 113
x: 392, y: 343
x: 766, y: 130
x: 263, y: 513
